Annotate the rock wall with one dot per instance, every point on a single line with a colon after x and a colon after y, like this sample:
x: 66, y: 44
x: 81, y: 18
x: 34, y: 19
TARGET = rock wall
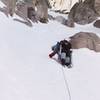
x: 97, y: 6
x: 62, y: 4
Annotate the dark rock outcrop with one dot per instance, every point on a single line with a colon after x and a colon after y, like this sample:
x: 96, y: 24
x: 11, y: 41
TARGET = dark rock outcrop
x: 97, y: 24
x: 82, y: 13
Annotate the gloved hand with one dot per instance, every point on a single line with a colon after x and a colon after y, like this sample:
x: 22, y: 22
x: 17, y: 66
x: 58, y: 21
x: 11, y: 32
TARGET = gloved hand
x: 51, y: 55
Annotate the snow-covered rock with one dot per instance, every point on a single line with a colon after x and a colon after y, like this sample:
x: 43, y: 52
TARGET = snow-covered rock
x: 62, y: 4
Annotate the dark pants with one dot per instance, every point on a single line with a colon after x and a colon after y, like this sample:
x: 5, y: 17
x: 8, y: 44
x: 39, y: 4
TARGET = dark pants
x: 65, y: 58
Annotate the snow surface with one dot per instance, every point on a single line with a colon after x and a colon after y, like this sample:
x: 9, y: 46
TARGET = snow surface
x: 26, y: 71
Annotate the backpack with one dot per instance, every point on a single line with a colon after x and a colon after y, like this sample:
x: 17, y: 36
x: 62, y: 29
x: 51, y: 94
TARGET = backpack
x: 65, y: 53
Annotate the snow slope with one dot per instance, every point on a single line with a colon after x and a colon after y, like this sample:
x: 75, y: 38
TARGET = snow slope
x: 27, y: 73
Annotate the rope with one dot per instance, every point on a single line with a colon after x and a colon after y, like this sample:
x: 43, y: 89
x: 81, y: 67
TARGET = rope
x: 66, y: 83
